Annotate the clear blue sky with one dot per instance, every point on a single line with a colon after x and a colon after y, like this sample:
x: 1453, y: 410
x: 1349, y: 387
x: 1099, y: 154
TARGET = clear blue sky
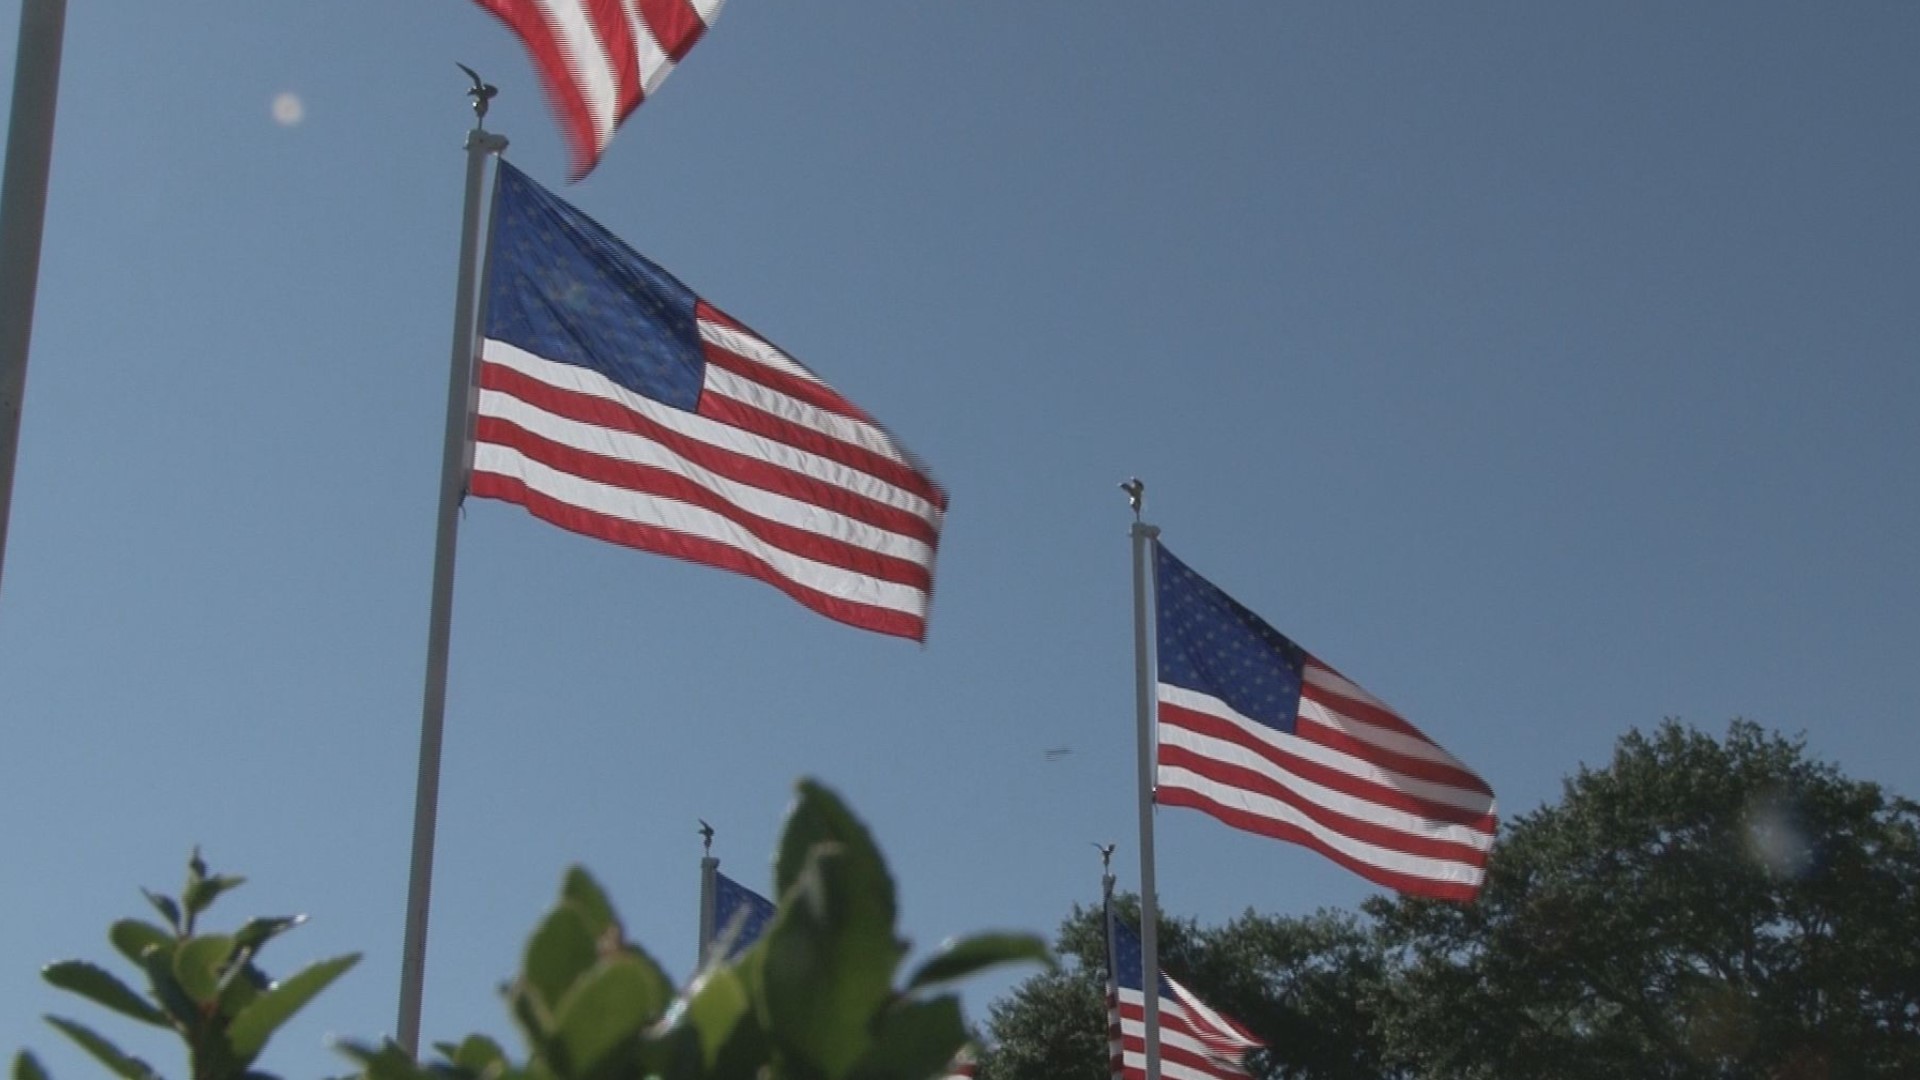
x: 1549, y: 370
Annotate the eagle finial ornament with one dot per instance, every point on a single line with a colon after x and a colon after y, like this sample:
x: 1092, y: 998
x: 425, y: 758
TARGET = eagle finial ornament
x: 482, y: 92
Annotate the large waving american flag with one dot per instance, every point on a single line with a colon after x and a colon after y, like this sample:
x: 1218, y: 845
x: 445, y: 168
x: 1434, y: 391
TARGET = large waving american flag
x: 1264, y: 736
x: 1197, y: 1042
x: 599, y: 59
x: 616, y: 403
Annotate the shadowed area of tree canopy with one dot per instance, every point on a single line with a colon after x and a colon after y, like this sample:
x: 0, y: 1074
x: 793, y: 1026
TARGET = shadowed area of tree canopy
x: 1700, y: 907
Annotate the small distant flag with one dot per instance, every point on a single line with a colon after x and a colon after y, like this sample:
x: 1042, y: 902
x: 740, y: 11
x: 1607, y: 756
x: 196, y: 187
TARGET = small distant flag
x: 599, y: 59
x: 1196, y: 1041
x: 616, y: 403
x: 1264, y: 736
x: 740, y: 916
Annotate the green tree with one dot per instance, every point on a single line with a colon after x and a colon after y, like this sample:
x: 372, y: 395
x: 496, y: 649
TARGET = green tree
x: 1698, y: 908
x: 1301, y: 985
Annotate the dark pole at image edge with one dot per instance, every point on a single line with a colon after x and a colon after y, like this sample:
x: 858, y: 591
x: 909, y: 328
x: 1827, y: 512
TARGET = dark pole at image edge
x: 23, y: 211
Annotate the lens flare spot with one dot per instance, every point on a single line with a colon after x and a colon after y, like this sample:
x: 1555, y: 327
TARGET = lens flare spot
x: 1776, y: 840
x: 288, y: 109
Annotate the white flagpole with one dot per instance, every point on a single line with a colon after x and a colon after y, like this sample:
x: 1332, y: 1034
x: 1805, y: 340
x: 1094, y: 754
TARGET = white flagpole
x: 453, y: 483
x: 23, y: 213
x: 1143, y: 538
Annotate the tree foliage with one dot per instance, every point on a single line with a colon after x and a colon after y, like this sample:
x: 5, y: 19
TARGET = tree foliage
x: 1699, y: 907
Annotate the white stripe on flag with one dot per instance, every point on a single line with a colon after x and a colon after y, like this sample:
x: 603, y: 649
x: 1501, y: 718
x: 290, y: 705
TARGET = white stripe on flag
x: 694, y: 521
x: 587, y: 63
x: 722, y: 436
x: 640, y: 450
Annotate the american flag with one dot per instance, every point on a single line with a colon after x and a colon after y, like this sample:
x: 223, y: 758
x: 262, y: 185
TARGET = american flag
x: 1196, y: 1041
x: 1264, y: 736
x: 616, y: 403
x: 740, y: 916
x: 599, y: 59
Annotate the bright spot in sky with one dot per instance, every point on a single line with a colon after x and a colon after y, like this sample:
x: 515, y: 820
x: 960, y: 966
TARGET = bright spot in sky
x: 288, y: 109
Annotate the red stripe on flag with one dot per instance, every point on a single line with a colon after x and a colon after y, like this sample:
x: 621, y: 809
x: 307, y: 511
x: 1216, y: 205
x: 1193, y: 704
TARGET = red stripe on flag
x: 1239, y: 819
x: 1417, y: 768
x: 1216, y: 727
x: 610, y: 26
x: 661, y: 483
x: 1366, y: 832
x: 738, y: 414
x: 529, y: 24
x: 694, y: 549
x: 600, y: 412
x: 1134, y: 1041
x: 675, y: 25
x: 817, y: 394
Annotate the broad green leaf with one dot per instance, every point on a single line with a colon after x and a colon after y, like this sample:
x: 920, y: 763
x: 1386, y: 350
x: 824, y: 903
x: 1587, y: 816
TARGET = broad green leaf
x: 533, y: 1016
x: 742, y: 1057
x: 241, y: 985
x: 103, y: 1051
x: 829, y: 957
x: 611, y: 1005
x: 386, y: 1062
x: 559, y: 953
x: 200, y: 894
x: 714, y: 1008
x: 198, y: 963
x: 914, y: 1039
x: 166, y: 988
x: 819, y: 817
x: 102, y: 988
x: 27, y: 1067
x: 254, y: 1025
x: 478, y: 1055
x: 257, y: 932
x: 166, y: 907
x: 584, y: 895
x: 970, y: 956
x: 133, y: 938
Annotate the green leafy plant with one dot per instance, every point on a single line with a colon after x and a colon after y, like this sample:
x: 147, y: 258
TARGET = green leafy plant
x: 813, y: 999
x: 205, y: 987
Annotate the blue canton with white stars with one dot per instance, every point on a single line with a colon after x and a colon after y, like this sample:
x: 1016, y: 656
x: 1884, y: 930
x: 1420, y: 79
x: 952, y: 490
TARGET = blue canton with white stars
x: 732, y: 900
x: 1127, y: 959
x: 1210, y: 644
x: 565, y: 289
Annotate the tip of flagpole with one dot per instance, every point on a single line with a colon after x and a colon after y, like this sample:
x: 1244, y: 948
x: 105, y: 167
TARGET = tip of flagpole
x: 482, y: 93
x: 1136, y: 490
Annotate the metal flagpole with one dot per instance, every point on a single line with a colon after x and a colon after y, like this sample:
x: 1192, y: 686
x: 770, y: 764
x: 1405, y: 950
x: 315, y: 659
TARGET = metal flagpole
x: 23, y: 212
x: 453, y: 482
x: 709, y: 867
x: 1143, y: 538
x: 1117, y: 1050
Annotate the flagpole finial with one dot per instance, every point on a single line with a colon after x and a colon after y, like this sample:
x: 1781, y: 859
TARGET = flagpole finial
x: 482, y: 92
x: 1136, y: 491
x: 706, y: 836
x: 1106, y: 855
